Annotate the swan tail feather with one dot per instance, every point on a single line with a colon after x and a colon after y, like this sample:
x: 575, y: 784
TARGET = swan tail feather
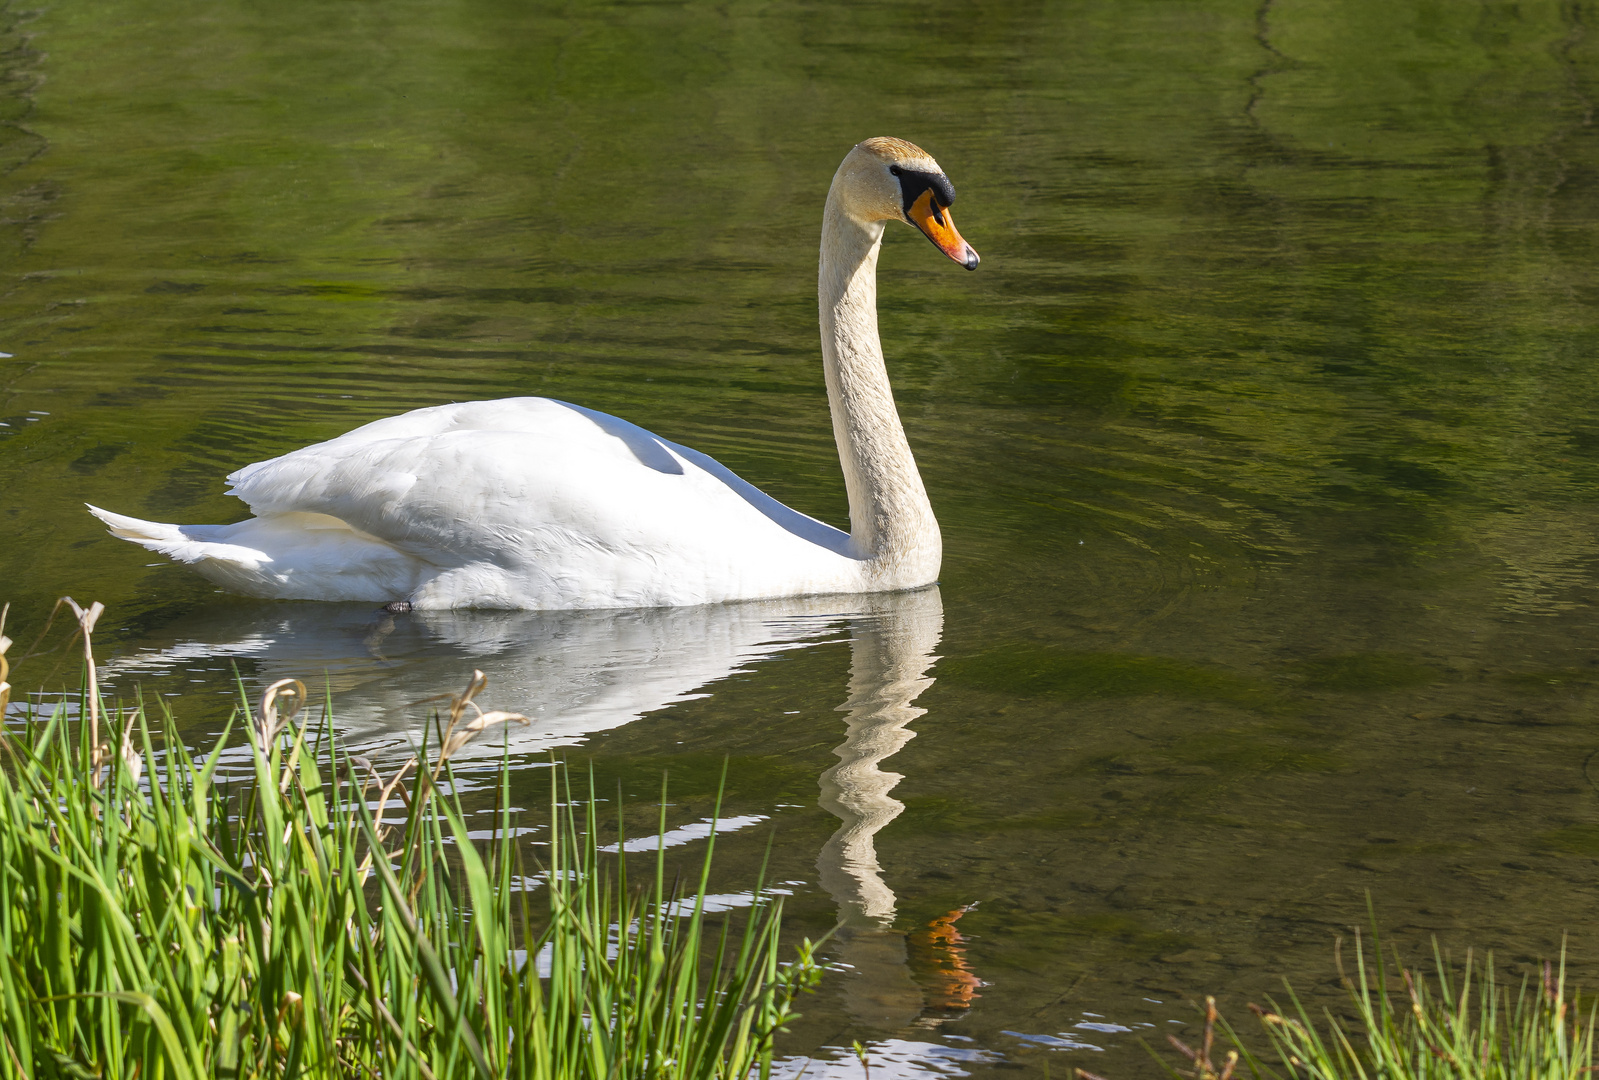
x: 279, y: 557
x: 148, y: 533
x: 197, y: 545
x: 233, y: 566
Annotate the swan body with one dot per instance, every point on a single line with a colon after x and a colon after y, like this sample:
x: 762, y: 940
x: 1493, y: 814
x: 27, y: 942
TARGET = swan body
x: 493, y: 504
x: 538, y: 504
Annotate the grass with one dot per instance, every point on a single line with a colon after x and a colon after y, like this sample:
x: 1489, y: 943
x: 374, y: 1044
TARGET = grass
x: 1457, y: 1025
x: 156, y: 924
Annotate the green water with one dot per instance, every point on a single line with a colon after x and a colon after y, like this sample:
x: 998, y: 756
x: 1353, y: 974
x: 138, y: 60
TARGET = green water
x: 1265, y: 445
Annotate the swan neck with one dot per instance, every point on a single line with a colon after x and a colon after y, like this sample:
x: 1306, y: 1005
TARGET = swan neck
x: 892, y: 526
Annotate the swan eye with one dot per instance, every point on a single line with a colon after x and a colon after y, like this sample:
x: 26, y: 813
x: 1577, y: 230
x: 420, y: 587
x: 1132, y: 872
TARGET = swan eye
x: 913, y: 184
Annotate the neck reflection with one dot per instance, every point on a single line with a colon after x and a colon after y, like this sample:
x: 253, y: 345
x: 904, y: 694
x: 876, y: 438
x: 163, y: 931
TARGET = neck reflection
x: 891, y: 648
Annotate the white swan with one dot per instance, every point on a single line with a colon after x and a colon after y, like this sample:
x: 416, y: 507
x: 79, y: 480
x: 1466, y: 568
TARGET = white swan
x: 537, y: 504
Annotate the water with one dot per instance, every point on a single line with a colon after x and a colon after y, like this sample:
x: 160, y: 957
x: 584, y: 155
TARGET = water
x: 1264, y: 442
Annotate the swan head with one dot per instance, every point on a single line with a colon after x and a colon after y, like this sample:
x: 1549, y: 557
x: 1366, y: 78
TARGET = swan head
x: 886, y: 179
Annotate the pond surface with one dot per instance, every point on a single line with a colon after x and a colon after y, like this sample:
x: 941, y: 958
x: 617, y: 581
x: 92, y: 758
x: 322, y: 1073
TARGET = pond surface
x: 1265, y: 444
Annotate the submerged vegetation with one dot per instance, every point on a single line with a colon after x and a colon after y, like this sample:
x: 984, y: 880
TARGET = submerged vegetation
x: 1460, y: 1025
x: 323, y: 919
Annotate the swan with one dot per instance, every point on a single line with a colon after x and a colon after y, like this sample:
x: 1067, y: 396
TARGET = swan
x: 532, y: 503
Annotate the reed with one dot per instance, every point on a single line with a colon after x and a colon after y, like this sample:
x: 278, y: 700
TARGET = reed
x: 327, y: 920
x: 1458, y: 1024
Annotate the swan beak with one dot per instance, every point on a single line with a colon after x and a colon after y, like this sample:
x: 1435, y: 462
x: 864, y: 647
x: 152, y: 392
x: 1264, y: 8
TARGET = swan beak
x: 939, y: 227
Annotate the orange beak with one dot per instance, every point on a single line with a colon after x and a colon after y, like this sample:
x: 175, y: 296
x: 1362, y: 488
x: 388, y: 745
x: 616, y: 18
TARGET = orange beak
x: 934, y: 220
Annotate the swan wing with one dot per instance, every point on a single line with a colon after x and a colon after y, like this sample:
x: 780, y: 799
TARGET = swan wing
x: 551, y: 496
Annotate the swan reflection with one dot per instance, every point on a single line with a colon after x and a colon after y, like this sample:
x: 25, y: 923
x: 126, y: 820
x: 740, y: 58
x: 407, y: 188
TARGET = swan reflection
x: 891, y: 650
x: 576, y: 673
x: 573, y: 673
